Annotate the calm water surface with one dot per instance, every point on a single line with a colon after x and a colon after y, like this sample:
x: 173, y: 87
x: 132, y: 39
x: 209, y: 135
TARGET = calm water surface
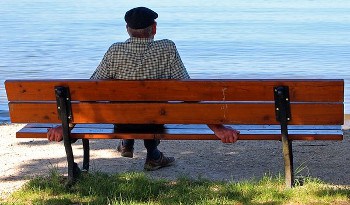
x: 224, y: 39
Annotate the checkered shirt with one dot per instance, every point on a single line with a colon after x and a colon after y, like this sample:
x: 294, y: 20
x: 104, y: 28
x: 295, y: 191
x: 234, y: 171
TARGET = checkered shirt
x: 141, y: 58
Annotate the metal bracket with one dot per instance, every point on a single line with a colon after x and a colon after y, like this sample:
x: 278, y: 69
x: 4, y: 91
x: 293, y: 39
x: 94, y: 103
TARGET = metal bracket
x: 64, y: 109
x: 63, y: 93
x: 282, y: 104
x: 283, y: 115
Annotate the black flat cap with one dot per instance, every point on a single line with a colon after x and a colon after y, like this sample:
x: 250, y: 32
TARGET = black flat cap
x: 140, y: 17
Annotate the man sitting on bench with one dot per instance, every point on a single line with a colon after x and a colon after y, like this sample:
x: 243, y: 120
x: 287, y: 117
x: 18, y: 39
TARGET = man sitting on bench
x: 139, y: 58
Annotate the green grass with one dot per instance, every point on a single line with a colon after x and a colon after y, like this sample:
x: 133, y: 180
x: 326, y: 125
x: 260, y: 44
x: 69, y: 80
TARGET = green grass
x: 136, y: 188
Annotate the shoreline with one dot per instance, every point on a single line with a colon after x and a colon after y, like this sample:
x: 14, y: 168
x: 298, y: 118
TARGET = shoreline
x: 23, y: 159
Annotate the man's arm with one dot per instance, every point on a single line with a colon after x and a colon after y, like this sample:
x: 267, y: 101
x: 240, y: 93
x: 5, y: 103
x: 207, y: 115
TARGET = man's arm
x: 101, y: 72
x: 176, y: 66
x: 225, y: 134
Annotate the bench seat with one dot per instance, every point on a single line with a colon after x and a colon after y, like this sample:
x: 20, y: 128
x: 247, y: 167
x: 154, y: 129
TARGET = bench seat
x: 190, y: 132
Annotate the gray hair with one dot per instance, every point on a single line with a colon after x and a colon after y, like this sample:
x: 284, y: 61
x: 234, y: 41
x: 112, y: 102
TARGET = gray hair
x: 140, y: 33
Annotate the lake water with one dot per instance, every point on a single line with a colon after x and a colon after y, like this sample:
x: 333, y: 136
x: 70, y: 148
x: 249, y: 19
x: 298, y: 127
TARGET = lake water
x: 223, y: 39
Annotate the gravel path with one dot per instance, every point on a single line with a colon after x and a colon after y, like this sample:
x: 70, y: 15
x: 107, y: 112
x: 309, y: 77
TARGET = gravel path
x: 22, y: 159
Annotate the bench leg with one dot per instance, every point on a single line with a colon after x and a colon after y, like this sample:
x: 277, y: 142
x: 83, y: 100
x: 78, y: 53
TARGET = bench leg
x: 64, y: 111
x: 86, y: 160
x: 288, y: 161
x: 283, y: 115
x: 73, y: 169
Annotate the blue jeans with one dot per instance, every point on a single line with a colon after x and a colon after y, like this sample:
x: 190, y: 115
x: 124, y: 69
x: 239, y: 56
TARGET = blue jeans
x: 150, y: 145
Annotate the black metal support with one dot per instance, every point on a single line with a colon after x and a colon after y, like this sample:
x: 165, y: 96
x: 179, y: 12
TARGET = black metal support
x: 283, y: 115
x: 65, y: 114
x: 86, y: 159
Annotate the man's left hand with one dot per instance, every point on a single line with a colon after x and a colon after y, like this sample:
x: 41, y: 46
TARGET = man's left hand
x: 55, y: 134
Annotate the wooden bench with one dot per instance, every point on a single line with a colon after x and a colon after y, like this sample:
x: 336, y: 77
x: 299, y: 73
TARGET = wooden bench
x: 284, y: 110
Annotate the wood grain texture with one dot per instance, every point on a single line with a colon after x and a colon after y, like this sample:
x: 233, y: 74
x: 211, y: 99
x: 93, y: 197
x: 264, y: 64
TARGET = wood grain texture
x: 184, y: 90
x: 179, y: 113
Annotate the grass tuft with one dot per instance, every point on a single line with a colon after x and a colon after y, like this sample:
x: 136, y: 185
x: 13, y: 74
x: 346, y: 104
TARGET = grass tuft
x: 137, y: 188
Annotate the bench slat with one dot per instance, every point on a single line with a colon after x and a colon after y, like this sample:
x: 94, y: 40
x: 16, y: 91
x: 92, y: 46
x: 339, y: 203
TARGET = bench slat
x: 178, y: 133
x: 167, y: 90
x: 199, y: 126
x: 178, y: 113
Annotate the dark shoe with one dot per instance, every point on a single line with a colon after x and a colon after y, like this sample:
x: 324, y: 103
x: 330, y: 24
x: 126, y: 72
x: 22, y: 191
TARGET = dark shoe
x: 125, y: 151
x: 163, y: 161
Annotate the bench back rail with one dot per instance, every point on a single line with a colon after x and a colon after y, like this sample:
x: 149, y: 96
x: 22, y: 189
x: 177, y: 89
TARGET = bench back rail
x: 175, y: 102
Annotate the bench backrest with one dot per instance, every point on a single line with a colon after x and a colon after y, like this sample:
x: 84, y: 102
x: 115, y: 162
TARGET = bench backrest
x: 312, y: 102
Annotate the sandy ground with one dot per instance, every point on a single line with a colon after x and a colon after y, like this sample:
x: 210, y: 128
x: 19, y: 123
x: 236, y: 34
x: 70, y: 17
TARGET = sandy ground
x: 21, y: 159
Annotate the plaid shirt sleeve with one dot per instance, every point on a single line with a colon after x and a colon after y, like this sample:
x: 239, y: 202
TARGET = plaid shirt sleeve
x: 103, y: 70
x: 177, y: 67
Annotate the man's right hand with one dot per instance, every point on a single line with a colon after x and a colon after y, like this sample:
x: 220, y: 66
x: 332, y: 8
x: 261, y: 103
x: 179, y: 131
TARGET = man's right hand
x: 224, y: 133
